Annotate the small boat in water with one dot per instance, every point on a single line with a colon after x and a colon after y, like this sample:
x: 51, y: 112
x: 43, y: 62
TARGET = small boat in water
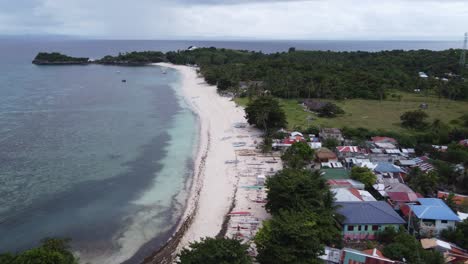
x: 124, y: 80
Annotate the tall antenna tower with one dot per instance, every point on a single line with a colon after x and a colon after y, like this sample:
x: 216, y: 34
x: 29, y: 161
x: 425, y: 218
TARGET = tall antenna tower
x: 463, y: 53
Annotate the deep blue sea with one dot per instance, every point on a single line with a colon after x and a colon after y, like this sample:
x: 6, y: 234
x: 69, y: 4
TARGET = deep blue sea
x: 105, y: 163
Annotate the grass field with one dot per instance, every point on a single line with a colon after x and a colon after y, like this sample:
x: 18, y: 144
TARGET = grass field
x: 373, y: 114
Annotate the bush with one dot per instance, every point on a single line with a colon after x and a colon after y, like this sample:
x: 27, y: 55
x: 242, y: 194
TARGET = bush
x: 414, y: 119
x: 215, y: 251
x: 330, y: 110
x: 363, y: 175
x: 297, y: 156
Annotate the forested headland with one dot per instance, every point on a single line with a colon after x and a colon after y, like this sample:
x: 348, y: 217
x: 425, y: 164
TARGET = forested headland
x: 312, y: 74
x: 44, y: 58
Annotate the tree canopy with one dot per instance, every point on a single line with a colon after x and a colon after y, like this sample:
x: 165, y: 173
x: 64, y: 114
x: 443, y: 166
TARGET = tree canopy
x: 328, y: 74
x: 364, y: 175
x: 404, y: 247
x: 266, y: 113
x: 51, y: 251
x: 458, y: 236
x: 424, y: 183
x: 414, y: 119
x: 292, y: 189
x: 298, y: 155
x: 295, y: 237
x: 330, y: 110
x: 215, y: 251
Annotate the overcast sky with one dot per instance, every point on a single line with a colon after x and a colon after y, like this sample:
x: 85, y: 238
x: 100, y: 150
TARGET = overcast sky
x: 246, y: 19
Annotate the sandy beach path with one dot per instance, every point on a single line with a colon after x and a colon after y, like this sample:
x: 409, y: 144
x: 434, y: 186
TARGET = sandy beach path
x: 215, y: 180
x: 226, y: 167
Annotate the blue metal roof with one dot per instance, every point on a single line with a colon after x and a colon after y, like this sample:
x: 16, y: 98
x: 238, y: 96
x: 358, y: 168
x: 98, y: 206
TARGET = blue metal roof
x: 386, y: 167
x: 373, y: 212
x: 433, y: 209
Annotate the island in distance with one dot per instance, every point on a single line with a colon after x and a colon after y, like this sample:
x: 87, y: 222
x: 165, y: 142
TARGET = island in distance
x: 128, y: 59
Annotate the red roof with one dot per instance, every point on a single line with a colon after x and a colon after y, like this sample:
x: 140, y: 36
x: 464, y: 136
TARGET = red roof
x: 356, y: 193
x: 458, y: 198
x: 370, y: 252
x: 402, y: 196
x: 339, y: 182
x: 347, y: 149
x: 384, y: 139
x: 405, y: 209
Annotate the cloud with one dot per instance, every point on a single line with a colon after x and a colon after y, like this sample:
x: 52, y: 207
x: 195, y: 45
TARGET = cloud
x: 259, y: 19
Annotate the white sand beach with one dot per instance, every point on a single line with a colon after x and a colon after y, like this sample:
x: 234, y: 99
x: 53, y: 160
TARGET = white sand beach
x: 225, y: 164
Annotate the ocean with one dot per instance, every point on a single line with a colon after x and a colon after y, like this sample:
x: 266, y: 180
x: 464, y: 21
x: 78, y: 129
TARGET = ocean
x: 105, y: 163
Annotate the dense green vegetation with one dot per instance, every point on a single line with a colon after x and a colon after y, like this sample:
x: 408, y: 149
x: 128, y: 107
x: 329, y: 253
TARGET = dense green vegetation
x: 459, y: 236
x: 215, y: 251
x: 424, y: 183
x: 297, y: 156
x: 137, y: 58
x: 414, y: 119
x: 265, y: 113
x: 55, y: 57
x: 402, y: 246
x: 292, y: 237
x: 319, y: 74
x: 297, y: 190
x: 51, y: 251
x: 363, y: 175
x: 304, y: 217
x: 327, y: 74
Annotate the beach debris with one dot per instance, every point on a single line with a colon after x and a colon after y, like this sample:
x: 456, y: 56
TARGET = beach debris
x: 259, y: 187
x: 261, y: 180
x: 241, y: 213
x: 239, y: 144
x: 240, y: 125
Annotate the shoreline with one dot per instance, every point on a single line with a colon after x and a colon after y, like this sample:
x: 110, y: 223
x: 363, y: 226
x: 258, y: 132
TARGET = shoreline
x: 224, y: 172
x: 202, y: 218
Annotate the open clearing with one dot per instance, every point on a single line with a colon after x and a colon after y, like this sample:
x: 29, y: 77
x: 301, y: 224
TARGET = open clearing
x: 373, y: 114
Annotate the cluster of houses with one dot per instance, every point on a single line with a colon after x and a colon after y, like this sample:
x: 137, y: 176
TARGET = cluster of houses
x: 392, y: 202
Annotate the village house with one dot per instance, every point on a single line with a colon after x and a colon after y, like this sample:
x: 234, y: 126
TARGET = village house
x: 369, y: 256
x: 353, y: 256
x: 352, y: 195
x: 345, y: 183
x: 452, y: 253
x: 432, y: 215
x: 349, y: 151
x: 388, y: 169
x: 399, y: 198
x: 325, y: 155
x: 384, y: 140
x: 459, y: 199
x: 293, y: 137
x: 363, y: 220
x: 423, y: 164
x: 331, y: 133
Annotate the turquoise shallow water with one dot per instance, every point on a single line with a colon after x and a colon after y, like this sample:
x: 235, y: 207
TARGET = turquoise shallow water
x: 85, y: 156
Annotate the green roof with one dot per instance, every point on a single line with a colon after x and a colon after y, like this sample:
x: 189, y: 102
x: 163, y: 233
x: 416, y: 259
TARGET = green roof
x: 334, y: 174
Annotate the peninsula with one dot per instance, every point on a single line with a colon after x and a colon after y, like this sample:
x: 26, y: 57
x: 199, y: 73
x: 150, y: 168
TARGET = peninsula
x: 55, y: 58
